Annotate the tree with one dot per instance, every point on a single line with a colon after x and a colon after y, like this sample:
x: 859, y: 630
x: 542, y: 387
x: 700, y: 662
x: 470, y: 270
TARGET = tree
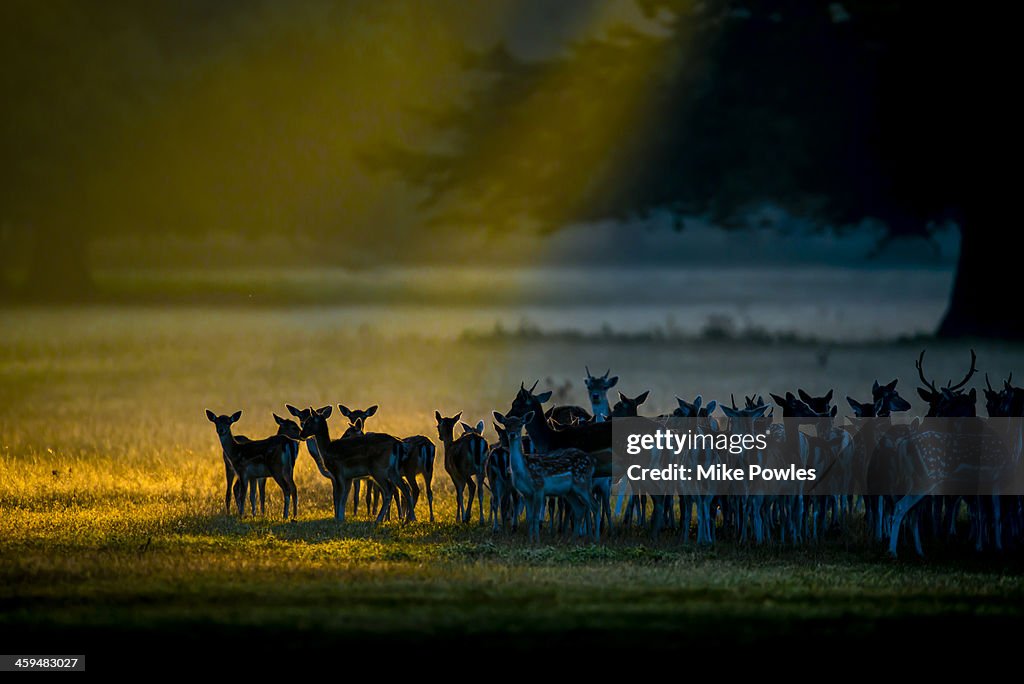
x: 837, y: 111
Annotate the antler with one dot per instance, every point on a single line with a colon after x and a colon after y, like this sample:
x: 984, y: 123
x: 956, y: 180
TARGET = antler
x: 1007, y: 381
x: 920, y: 372
x: 732, y: 399
x: 988, y: 384
x: 973, y: 369
x: 606, y: 373
x: 588, y: 371
x: 534, y: 386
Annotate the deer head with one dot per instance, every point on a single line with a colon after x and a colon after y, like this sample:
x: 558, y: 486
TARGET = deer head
x: 949, y: 401
x: 477, y: 429
x: 355, y: 414
x: 820, y: 405
x: 316, y: 420
x: 597, y: 390
x: 446, y: 426
x: 513, y: 425
x: 223, y: 423
x: 526, y: 401
x: 287, y: 427
x: 626, y: 407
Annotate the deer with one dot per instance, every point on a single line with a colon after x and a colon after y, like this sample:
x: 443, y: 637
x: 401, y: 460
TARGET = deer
x: 372, y: 455
x: 232, y: 492
x: 597, y: 392
x: 460, y: 458
x: 505, y: 499
x: 872, y: 440
x: 629, y: 408
x: 417, y: 459
x: 251, y: 460
x: 934, y: 450
x: 566, y: 473
x: 479, y: 461
x: 592, y: 438
x: 1009, y: 403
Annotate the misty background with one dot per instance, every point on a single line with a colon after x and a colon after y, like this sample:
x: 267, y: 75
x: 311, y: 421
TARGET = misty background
x: 248, y: 153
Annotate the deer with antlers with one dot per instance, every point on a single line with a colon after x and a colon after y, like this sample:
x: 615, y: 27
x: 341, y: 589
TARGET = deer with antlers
x: 944, y: 456
x: 592, y: 438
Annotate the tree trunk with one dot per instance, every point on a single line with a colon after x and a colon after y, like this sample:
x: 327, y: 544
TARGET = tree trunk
x: 59, y: 269
x: 988, y: 282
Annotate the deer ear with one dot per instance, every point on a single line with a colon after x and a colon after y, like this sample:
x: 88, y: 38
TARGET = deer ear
x: 828, y: 397
x: 611, y: 382
x: 712, y: 405
x: 642, y: 398
x: 853, y: 404
x: 682, y: 404
x: 834, y: 411
x: 211, y: 415
x: 345, y: 411
x: 326, y: 411
x: 480, y: 427
x: 544, y: 396
x: 892, y: 385
x: 777, y: 399
x: 466, y: 429
x: 358, y: 425
x: 926, y: 395
x: 622, y: 397
x: 804, y: 396
x: 437, y: 415
x: 498, y: 417
x: 457, y: 415
x: 235, y: 416
x: 370, y: 411
x: 294, y: 411
x: 790, y: 397
x: 697, y: 402
x: 278, y: 419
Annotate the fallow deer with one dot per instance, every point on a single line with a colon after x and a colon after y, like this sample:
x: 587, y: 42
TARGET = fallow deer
x: 592, y: 438
x: 566, y: 473
x: 504, y: 497
x: 251, y: 460
x: 460, y: 458
x: 934, y: 451
x: 372, y: 455
x: 479, y: 461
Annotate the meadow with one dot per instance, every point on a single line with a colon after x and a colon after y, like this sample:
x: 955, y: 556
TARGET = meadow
x: 112, y: 528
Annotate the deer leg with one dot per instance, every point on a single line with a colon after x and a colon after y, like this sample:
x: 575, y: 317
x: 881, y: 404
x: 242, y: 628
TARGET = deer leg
x: 468, y: 513
x: 403, y: 486
x: 388, y: 494
x: 263, y: 495
x: 253, y: 486
x: 459, y: 485
x: 229, y: 475
x: 427, y: 477
x: 480, y: 495
x: 900, y: 511
x: 238, y: 491
x: 355, y: 497
x: 340, y: 491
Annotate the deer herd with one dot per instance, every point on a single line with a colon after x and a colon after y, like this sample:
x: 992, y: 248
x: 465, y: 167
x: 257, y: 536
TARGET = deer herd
x: 555, y: 467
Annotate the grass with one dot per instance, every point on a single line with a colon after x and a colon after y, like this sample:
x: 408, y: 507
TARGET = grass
x: 111, y: 501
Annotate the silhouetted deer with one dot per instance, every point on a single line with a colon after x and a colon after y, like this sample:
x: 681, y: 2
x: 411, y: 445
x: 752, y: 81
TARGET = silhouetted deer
x: 367, y: 455
x: 270, y: 457
x: 460, y: 458
x: 565, y: 473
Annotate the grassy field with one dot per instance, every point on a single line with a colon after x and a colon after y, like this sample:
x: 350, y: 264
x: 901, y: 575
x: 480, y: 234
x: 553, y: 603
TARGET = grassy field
x: 112, y: 528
